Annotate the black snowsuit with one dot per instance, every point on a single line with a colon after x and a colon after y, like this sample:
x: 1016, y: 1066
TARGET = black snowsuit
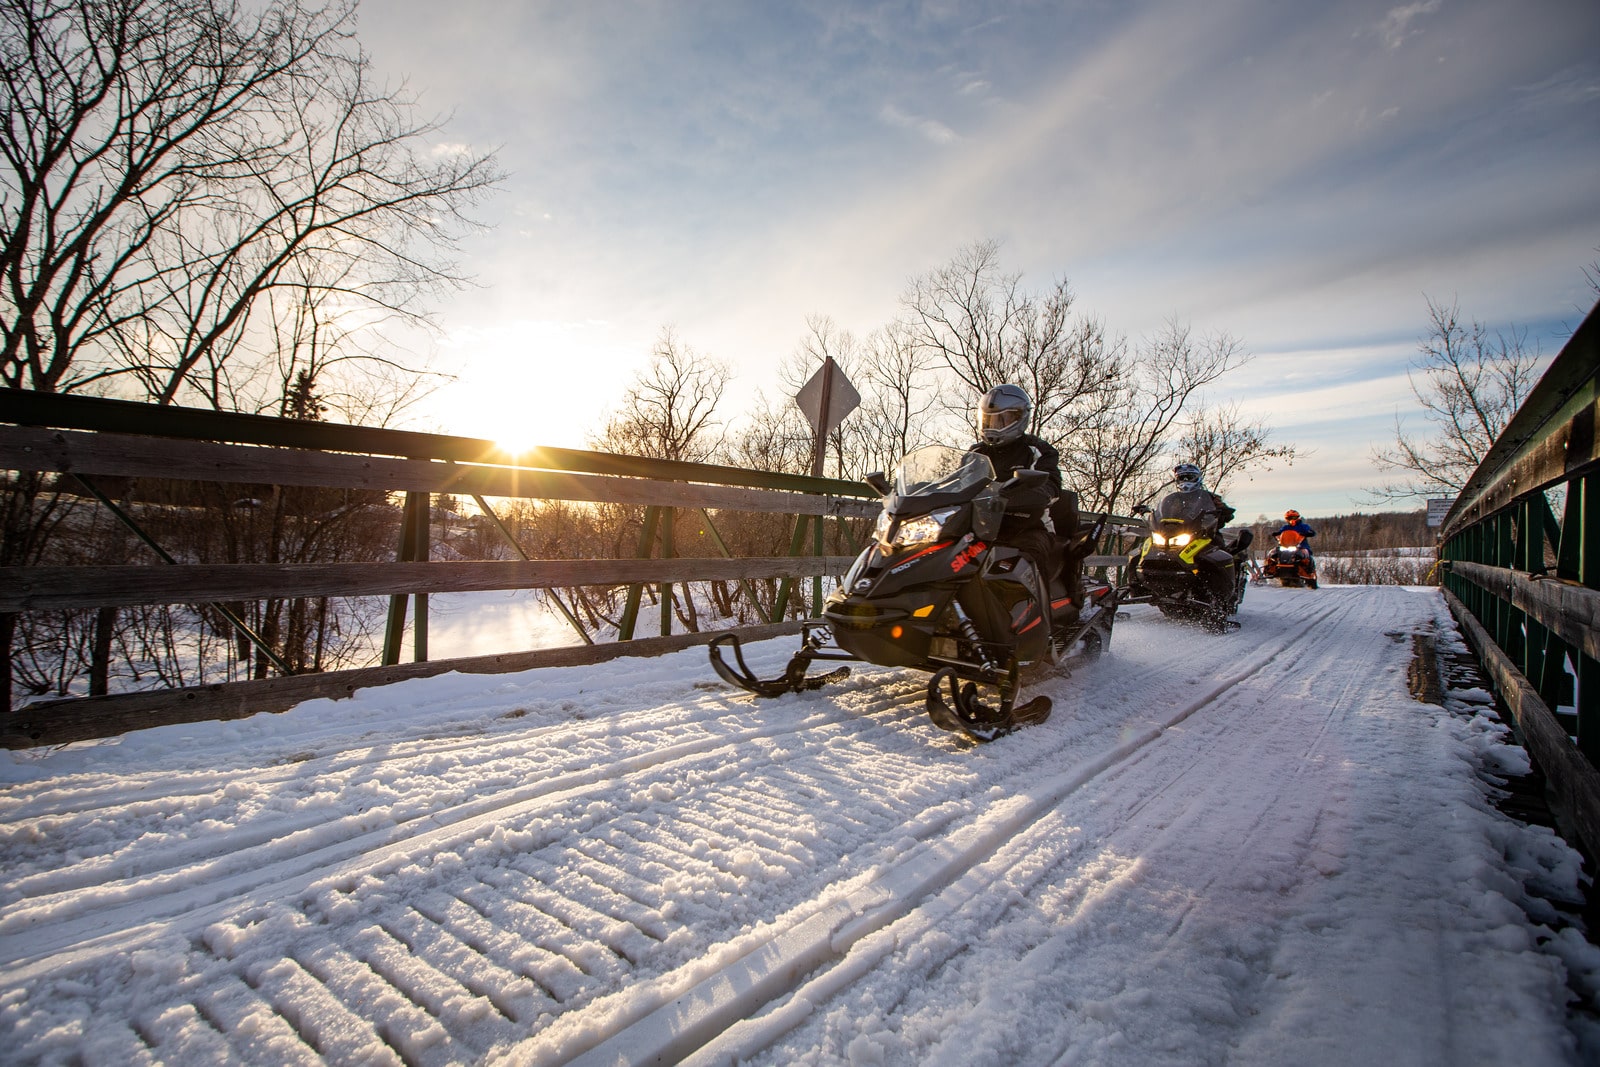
x: 1024, y: 525
x: 1223, y: 512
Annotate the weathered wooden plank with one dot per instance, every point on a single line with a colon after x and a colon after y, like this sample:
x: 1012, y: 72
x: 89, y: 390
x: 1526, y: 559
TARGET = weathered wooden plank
x: 123, y: 455
x: 1573, y: 779
x: 57, y: 722
x: 1550, y: 438
x: 1569, y: 610
x: 57, y: 588
x: 1568, y: 451
x: 104, y: 415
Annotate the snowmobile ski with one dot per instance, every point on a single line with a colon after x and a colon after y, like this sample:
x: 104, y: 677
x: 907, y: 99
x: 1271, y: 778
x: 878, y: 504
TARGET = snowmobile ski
x: 965, y: 714
x: 793, y: 679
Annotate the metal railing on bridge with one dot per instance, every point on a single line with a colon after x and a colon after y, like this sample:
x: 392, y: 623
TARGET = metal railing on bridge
x: 1520, y: 549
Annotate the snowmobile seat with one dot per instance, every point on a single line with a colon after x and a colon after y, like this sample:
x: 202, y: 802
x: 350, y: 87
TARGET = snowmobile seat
x: 1064, y: 515
x: 1076, y: 543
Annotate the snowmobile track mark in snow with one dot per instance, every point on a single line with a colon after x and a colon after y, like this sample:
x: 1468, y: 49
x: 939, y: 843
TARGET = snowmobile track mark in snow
x: 922, y: 843
x: 794, y: 959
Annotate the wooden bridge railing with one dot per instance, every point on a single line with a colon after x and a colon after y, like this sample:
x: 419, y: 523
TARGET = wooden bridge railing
x: 1522, y: 576
x: 92, y: 439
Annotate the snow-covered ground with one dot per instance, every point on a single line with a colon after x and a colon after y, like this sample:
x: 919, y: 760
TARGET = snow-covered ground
x: 1254, y: 848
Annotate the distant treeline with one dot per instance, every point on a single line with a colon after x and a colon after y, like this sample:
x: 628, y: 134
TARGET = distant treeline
x: 1363, y: 533
x: 1377, y: 549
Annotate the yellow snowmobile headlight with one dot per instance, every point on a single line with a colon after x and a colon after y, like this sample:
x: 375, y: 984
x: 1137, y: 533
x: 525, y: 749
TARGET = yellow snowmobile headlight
x: 1180, y: 540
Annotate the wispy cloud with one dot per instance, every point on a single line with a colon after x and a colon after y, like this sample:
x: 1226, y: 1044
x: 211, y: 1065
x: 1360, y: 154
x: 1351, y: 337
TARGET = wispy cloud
x: 1571, y: 86
x: 931, y: 129
x: 1396, y: 25
x: 1299, y: 179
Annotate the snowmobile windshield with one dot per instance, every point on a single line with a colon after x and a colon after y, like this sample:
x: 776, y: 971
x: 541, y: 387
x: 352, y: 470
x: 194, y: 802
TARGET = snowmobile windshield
x: 939, y: 470
x: 1189, y: 507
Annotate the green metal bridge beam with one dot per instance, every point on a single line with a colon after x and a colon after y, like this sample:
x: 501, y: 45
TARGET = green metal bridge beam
x: 1508, y: 542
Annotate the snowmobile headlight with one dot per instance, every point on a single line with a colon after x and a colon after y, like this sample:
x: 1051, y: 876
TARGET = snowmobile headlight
x: 1179, y: 540
x: 1158, y: 539
x: 924, y: 528
x: 880, y: 532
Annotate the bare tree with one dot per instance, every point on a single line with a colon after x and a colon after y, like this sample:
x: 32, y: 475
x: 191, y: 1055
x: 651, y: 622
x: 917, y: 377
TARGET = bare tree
x: 1114, y: 414
x: 1223, y: 444
x: 1469, y: 383
x: 185, y: 182
x: 669, y: 411
x: 979, y: 325
x: 171, y: 163
x: 899, y: 403
x: 347, y: 357
x: 1114, y: 458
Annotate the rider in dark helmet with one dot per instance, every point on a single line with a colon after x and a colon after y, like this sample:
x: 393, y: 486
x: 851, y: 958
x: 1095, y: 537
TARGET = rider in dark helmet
x: 1189, y: 479
x: 1003, y: 415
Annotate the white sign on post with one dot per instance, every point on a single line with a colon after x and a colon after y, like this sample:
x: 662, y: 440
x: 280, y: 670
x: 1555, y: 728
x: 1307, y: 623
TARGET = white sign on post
x: 1438, y: 508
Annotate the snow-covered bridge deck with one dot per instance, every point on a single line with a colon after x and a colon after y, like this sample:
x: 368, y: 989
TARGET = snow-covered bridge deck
x: 1254, y: 848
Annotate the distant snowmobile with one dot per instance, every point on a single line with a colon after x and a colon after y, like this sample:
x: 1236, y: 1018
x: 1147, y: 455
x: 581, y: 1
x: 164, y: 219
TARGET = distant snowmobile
x: 1291, y: 562
x: 934, y: 593
x: 1185, y: 566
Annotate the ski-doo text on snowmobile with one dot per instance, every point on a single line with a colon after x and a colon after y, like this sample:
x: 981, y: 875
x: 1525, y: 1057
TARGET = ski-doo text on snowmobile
x: 935, y: 593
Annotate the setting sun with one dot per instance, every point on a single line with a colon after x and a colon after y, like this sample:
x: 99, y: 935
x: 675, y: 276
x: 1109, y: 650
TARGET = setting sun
x: 534, y: 384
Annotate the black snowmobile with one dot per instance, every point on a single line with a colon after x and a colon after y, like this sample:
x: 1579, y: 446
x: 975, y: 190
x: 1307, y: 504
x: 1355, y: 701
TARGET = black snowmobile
x: 935, y: 594
x: 1185, y: 563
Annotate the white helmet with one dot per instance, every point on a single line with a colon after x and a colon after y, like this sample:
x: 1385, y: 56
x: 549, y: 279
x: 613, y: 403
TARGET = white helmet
x: 1188, y: 477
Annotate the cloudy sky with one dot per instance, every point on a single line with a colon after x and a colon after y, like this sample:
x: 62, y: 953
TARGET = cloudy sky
x: 1302, y: 176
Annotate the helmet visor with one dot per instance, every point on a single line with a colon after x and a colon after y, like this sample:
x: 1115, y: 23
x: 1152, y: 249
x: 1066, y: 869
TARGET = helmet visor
x: 1003, y: 419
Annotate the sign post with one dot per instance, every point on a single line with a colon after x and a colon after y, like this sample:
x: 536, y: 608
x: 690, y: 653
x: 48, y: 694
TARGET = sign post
x: 826, y: 399
x: 1438, y: 508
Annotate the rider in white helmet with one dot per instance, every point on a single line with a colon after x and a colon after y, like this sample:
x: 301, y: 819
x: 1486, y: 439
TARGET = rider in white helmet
x: 1003, y: 415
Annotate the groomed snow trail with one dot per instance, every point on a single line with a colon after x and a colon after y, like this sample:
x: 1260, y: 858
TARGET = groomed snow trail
x: 1216, y: 850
